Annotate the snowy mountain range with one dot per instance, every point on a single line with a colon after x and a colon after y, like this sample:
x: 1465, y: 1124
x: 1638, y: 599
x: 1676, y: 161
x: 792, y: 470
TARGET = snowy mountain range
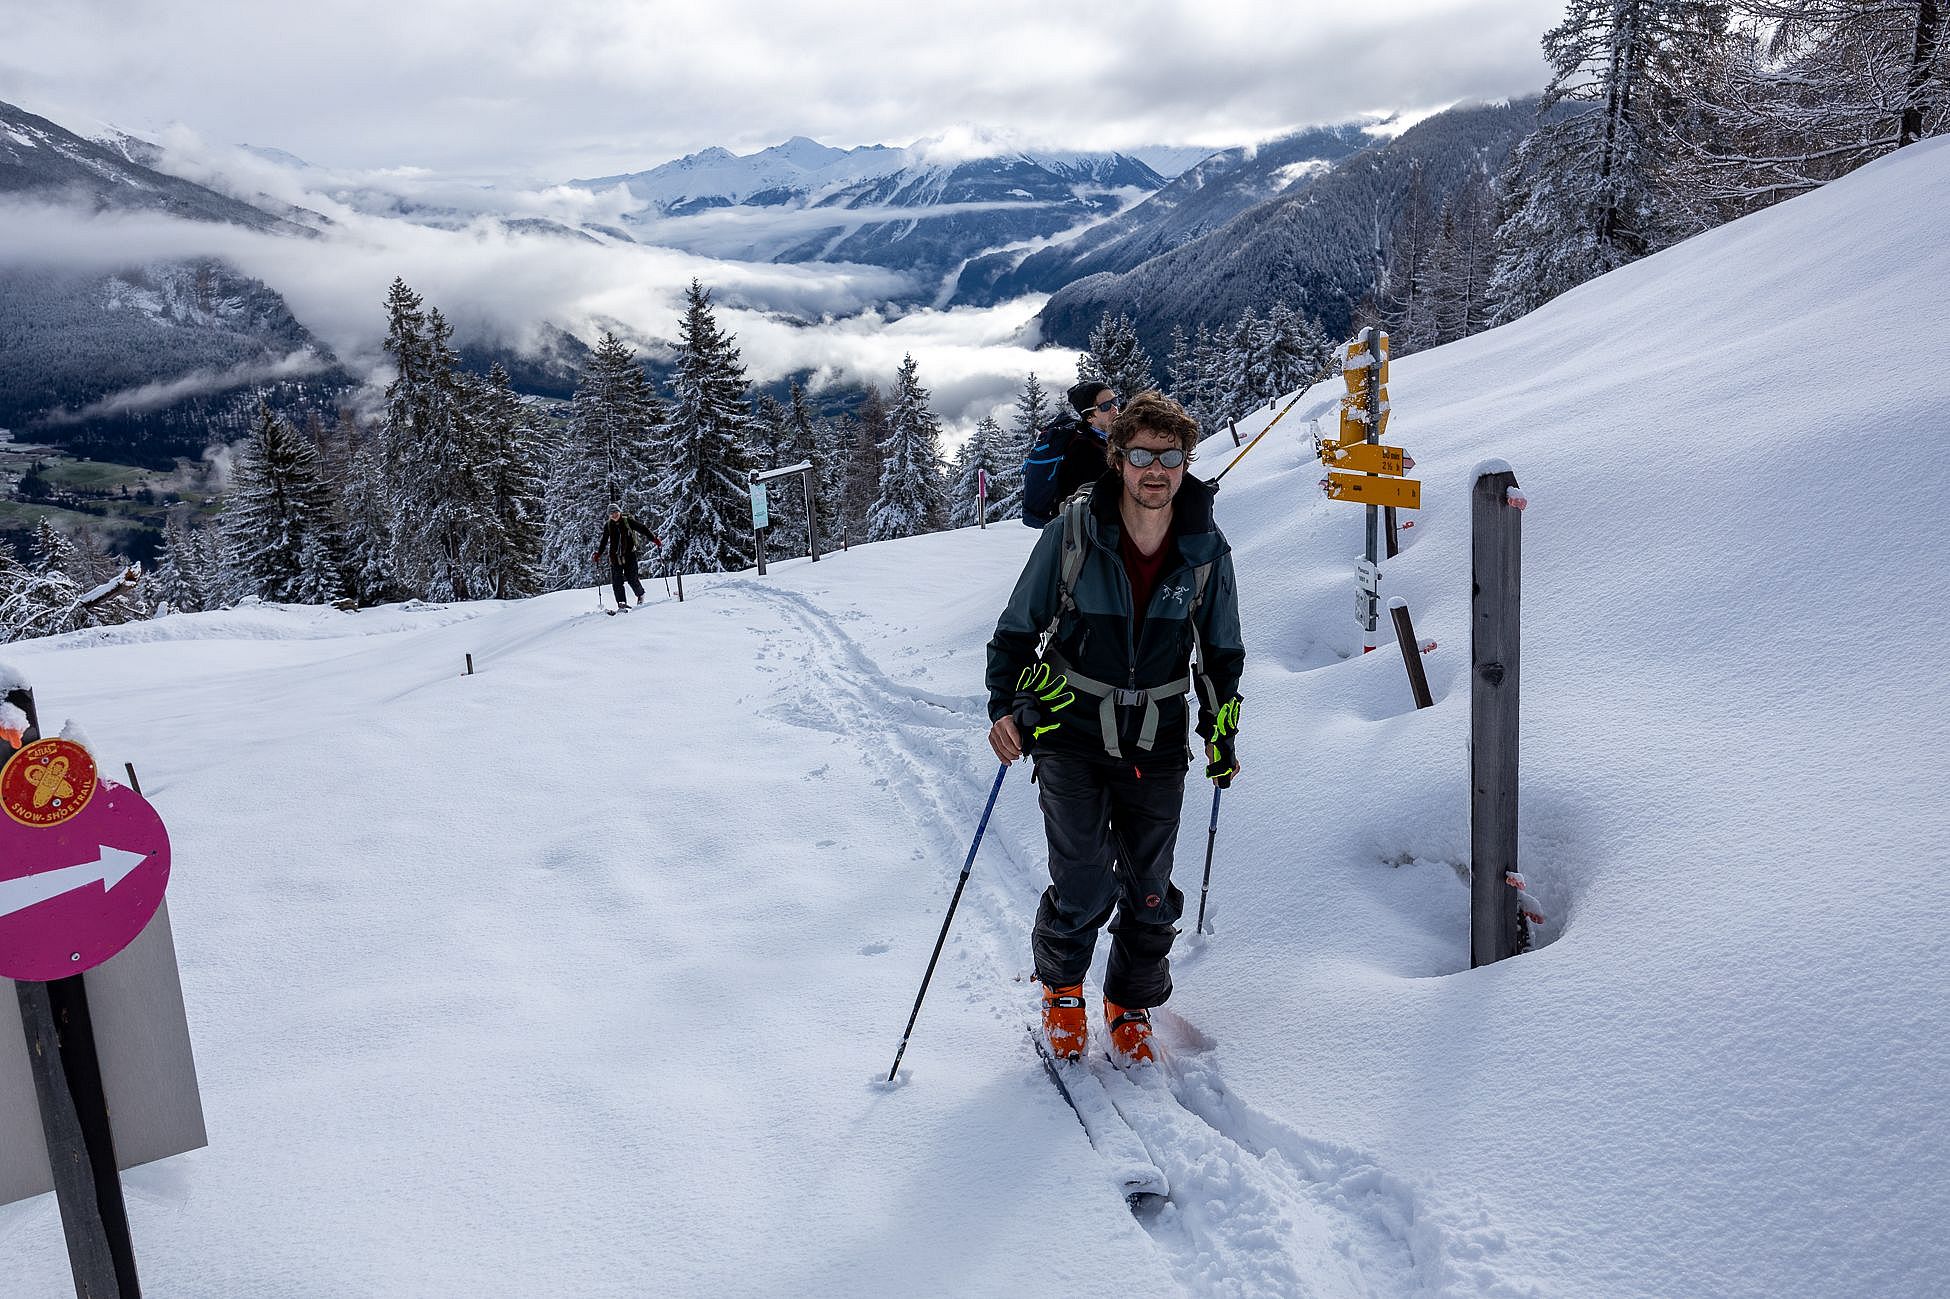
x: 924, y: 210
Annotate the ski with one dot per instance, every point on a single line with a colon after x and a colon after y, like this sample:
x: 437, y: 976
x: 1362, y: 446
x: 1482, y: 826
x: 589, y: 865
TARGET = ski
x: 1133, y: 1171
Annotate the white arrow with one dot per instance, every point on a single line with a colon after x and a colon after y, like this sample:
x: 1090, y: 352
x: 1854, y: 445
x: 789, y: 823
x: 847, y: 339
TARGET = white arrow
x: 107, y: 870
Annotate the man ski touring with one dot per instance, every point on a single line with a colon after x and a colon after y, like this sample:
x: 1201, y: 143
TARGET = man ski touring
x: 1128, y: 582
x: 1069, y: 454
x: 619, y: 543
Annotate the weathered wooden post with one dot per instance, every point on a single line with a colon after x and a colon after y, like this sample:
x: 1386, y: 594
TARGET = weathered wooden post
x: 470, y: 672
x: 74, y: 1117
x: 760, y: 520
x: 1418, y: 680
x: 1494, y: 655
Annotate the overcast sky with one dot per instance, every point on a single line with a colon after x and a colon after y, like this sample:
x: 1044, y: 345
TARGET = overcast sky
x: 560, y: 88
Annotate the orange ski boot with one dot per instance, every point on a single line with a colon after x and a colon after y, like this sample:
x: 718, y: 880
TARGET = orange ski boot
x: 1066, y: 1027
x: 1130, y: 1035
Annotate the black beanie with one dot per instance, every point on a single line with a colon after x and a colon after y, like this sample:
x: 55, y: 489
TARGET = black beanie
x: 1084, y: 395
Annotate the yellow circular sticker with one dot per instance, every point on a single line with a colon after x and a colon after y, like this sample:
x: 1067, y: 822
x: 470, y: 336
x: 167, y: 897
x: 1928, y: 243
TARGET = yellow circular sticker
x: 47, y: 782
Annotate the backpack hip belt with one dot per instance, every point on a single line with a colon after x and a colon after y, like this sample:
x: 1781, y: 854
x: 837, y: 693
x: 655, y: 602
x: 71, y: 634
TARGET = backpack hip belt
x: 1113, y: 697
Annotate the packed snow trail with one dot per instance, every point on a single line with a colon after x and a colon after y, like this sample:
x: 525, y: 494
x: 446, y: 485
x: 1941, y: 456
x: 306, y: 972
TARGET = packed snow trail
x: 1253, y: 1211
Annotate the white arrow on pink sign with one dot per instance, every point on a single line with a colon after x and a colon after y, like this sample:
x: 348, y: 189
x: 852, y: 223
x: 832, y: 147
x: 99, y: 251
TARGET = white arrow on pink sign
x: 74, y: 894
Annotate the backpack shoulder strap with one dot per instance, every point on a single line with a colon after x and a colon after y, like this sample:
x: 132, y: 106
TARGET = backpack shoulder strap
x: 1076, y: 546
x: 1206, y: 691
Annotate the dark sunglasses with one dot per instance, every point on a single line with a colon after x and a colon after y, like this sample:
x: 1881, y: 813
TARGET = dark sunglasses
x: 1141, y: 459
x: 1107, y: 406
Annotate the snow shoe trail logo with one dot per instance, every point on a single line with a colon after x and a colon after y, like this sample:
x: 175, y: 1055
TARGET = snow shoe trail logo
x: 47, y: 782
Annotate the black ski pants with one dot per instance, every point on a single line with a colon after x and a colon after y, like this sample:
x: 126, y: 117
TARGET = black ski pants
x: 1111, y: 833
x: 621, y: 571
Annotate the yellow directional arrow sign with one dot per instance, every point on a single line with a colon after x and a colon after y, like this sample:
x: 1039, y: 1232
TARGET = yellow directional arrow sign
x: 1363, y: 457
x: 1405, y: 493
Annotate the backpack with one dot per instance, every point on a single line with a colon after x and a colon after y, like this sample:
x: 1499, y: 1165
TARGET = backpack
x: 1042, y: 472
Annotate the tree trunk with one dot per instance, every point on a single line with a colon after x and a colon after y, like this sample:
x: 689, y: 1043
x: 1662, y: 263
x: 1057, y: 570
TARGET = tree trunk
x: 1929, y: 37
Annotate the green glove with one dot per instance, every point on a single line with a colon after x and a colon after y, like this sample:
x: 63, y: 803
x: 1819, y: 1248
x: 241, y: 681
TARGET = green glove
x: 1040, y: 693
x: 1221, y: 732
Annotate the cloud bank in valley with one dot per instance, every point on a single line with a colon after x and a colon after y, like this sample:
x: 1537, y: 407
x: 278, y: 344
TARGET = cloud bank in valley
x: 506, y: 287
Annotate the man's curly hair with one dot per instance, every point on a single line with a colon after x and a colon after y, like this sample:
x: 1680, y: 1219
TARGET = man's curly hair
x: 1153, y: 412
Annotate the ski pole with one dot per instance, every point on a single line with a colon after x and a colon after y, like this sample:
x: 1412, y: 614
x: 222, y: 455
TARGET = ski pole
x: 1211, y: 837
x: 1262, y: 433
x: 961, y: 883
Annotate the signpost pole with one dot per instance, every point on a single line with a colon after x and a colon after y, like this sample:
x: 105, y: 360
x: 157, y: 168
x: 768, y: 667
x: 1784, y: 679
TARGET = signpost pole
x: 74, y: 1117
x: 1371, y: 336
x: 758, y: 520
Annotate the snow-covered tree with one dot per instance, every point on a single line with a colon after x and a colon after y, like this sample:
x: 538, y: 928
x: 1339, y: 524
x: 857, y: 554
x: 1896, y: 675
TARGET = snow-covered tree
x: 1595, y: 189
x: 187, y: 578
x: 513, y: 469
x: 1116, y: 359
x: 867, y: 429
x: 279, y: 533
x: 612, y: 449
x: 1808, y: 90
x: 986, y: 451
x: 704, y: 510
x: 910, y: 500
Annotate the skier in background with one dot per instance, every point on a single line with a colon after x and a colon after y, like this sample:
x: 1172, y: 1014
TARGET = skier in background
x: 1069, y: 454
x: 619, y: 543
x: 1150, y: 580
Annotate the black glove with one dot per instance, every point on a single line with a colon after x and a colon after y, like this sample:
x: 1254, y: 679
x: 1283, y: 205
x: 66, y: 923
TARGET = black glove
x: 1221, y: 732
x: 1040, y: 694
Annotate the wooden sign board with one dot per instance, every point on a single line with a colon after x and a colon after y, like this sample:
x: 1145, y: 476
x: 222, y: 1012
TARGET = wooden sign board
x: 1363, y: 458
x: 1403, y: 493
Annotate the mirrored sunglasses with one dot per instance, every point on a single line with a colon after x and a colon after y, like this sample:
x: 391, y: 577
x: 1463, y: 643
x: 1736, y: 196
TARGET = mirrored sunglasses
x: 1108, y: 406
x: 1141, y: 459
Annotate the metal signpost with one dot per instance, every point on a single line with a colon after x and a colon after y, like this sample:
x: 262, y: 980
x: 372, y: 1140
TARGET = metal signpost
x: 1362, y: 470
x: 761, y: 519
x: 83, y: 866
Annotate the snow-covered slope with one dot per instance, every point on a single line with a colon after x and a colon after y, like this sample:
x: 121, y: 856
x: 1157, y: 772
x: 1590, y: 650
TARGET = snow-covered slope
x: 571, y: 977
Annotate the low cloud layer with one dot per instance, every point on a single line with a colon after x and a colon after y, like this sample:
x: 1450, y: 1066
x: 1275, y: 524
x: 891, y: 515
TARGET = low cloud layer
x: 506, y: 287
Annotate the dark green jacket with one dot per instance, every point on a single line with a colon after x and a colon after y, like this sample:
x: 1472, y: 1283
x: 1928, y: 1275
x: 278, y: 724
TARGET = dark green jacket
x: 1096, y: 639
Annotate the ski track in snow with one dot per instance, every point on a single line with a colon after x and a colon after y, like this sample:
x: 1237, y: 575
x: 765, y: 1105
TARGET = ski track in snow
x: 1256, y: 1208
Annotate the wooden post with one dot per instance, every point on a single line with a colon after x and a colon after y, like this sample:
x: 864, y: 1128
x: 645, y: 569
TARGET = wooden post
x: 1418, y: 680
x: 680, y: 586
x: 812, y: 516
x: 74, y: 1118
x: 1494, y: 644
x: 1394, y: 545
x: 1234, y: 426
x: 470, y: 672
x: 134, y: 784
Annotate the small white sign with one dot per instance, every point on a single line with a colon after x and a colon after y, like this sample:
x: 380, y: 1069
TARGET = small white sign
x: 760, y: 518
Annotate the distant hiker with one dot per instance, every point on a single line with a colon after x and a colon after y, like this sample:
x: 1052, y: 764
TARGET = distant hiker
x: 619, y: 543
x: 1069, y: 454
x: 1101, y: 709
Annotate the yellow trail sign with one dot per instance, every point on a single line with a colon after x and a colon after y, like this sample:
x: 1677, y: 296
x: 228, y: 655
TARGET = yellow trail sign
x: 1404, y: 493
x: 1354, y: 425
x: 1363, y: 457
x: 1357, y: 380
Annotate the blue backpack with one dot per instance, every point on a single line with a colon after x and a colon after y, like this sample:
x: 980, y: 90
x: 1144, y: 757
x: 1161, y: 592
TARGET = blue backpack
x: 1042, y: 471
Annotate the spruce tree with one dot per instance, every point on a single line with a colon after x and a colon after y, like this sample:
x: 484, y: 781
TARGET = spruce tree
x: 869, y: 428
x: 1116, y: 358
x: 513, y: 467
x: 611, y: 452
x: 910, y: 499
x: 704, y: 496
x: 279, y: 532
x: 985, y: 451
